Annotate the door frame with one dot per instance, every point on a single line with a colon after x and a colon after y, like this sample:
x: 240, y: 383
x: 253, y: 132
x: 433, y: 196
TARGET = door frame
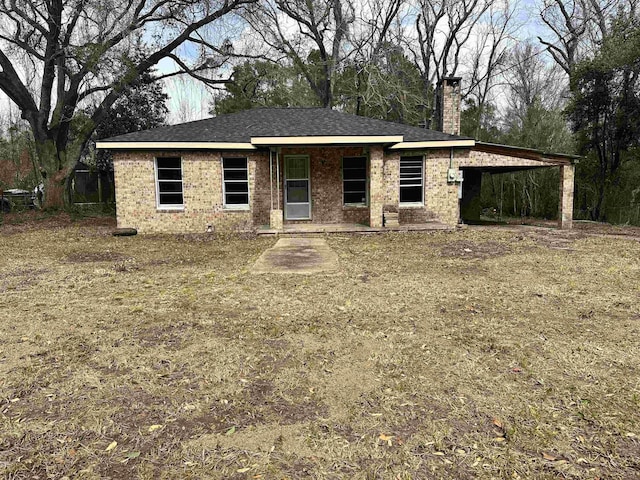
x: 308, y: 179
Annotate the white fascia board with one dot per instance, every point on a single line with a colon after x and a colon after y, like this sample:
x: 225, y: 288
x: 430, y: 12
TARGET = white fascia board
x: 433, y: 144
x: 326, y: 140
x: 173, y: 146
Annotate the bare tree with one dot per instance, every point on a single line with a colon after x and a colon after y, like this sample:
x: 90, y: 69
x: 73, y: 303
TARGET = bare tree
x: 567, y: 21
x: 376, y: 32
x: 444, y: 28
x: 455, y: 37
x: 489, y: 58
x: 310, y: 33
x: 577, y: 27
x: 57, y: 54
x: 532, y: 80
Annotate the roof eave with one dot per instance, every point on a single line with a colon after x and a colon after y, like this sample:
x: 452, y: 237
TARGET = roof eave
x: 459, y: 143
x: 326, y: 140
x: 175, y: 146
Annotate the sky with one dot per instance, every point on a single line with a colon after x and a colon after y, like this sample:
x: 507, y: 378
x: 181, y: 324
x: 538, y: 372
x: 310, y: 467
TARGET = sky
x: 190, y: 100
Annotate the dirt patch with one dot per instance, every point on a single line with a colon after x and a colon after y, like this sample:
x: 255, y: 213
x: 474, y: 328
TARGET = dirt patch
x: 295, y: 258
x: 556, y: 239
x: 91, y: 257
x: 467, y: 249
x: 21, y: 279
x: 607, y: 229
x: 32, y: 220
x: 171, y: 337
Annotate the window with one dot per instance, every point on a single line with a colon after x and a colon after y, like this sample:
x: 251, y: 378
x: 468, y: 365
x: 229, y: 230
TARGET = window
x: 236, y: 182
x: 411, y: 180
x: 354, y: 180
x: 169, y: 182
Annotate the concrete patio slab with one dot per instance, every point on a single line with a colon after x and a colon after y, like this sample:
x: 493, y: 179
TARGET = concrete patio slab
x: 297, y: 255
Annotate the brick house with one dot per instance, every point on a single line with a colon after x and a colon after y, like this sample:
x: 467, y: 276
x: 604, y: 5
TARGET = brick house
x: 277, y: 168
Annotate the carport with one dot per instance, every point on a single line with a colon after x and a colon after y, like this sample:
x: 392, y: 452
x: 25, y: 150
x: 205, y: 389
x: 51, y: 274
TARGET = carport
x: 494, y: 158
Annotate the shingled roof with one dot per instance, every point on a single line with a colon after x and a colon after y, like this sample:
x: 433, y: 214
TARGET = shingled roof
x: 241, y: 127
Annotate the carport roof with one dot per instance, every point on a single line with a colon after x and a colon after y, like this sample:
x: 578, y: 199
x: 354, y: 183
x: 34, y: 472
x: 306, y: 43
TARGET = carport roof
x: 528, y: 153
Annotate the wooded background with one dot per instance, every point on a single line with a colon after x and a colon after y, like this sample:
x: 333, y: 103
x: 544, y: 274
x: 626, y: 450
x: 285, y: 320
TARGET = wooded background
x: 555, y: 75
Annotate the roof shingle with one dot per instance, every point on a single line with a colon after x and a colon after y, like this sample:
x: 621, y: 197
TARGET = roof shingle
x: 280, y: 122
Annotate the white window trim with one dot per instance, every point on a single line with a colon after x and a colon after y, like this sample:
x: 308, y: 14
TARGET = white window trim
x: 235, y: 206
x: 366, y: 184
x: 175, y: 206
x: 412, y: 204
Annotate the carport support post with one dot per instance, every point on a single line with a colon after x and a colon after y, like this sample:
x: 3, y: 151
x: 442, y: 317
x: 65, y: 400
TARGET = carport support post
x: 376, y: 185
x: 565, y: 210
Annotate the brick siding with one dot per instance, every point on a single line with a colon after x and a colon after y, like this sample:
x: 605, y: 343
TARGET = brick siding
x: 326, y: 184
x: 202, y: 185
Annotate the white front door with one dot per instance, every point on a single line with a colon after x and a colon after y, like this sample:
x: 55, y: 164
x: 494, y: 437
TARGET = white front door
x: 297, y: 192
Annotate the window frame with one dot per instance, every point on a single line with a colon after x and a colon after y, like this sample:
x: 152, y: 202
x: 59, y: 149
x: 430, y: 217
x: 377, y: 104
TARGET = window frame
x: 235, y: 206
x: 366, y: 182
x: 422, y: 182
x: 168, y: 206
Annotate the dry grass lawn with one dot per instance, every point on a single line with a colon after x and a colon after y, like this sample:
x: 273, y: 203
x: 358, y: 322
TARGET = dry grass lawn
x: 469, y: 354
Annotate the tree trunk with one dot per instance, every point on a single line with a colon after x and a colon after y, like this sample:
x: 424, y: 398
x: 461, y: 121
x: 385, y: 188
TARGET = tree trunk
x: 56, y: 166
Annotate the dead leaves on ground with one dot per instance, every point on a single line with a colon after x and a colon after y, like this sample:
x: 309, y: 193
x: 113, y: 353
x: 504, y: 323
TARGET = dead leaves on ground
x: 500, y: 430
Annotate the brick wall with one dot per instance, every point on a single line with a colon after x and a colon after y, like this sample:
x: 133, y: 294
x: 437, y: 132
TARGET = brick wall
x: 567, y: 185
x: 441, y: 198
x: 448, y: 101
x: 326, y: 184
x: 202, y: 185
x: 487, y: 159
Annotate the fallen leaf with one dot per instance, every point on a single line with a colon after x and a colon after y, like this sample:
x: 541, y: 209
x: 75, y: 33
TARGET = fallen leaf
x: 551, y: 458
x: 132, y: 455
x: 439, y: 454
x: 386, y: 438
x: 243, y: 470
x: 498, y: 423
x: 231, y: 431
x: 153, y: 428
x: 111, y: 446
x: 516, y: 370
x: 499, y: 439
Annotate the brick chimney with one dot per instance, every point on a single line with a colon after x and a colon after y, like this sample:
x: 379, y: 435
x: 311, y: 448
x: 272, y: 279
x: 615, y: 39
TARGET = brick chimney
x: 448, y: 105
